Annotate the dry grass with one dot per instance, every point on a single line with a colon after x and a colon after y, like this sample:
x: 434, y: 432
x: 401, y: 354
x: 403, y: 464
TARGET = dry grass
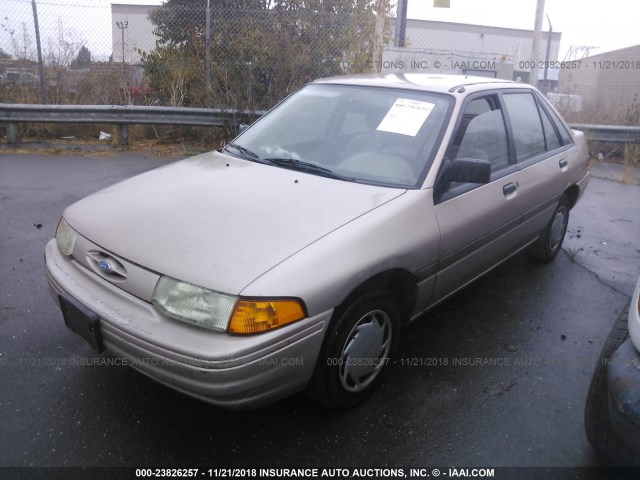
x: 620, y: 163
x: 631, y: 161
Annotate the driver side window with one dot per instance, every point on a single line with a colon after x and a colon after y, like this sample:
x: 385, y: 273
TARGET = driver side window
x: 481, y: 134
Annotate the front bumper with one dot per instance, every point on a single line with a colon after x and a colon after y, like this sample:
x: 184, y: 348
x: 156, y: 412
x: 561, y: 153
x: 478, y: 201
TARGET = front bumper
x: 623, y: 379
x: 226, y: 370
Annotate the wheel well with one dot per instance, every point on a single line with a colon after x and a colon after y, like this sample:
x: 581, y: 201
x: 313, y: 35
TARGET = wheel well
x: 400, y: 283
x: 572, y: 194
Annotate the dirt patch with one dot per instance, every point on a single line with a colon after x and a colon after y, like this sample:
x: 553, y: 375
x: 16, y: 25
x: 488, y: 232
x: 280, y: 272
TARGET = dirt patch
x: 106, y: 148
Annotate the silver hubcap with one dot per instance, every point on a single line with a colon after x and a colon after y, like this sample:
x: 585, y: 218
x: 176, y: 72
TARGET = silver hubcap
x: 365, y: 351
x: 557, y: 228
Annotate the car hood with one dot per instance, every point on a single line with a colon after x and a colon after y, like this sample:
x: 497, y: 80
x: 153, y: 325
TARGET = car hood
x: 218, y: 221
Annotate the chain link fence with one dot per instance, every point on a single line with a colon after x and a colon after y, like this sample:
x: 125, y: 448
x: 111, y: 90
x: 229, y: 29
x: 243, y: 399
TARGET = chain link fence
x: 254, y: 57
x: 249, y: 54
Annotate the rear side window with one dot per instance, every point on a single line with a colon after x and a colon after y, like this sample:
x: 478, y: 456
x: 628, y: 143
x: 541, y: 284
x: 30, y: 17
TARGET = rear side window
x: 550, y: 134
x: 526, y: 126
x: 564, y: 133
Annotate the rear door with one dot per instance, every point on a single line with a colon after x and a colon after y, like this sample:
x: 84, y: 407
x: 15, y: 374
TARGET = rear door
x: 542, y: 152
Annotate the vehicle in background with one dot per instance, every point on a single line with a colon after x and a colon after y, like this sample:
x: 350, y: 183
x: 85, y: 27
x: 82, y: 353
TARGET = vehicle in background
x: 612, y: 413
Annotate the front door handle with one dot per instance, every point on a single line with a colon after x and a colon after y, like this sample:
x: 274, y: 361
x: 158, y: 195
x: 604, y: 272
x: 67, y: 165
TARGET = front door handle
x: 509, y: 189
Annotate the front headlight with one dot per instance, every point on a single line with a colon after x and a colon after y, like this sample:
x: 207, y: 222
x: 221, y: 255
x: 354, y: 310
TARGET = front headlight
x: 225, y: 313
x: 193, y: 304
x: 65, y: 237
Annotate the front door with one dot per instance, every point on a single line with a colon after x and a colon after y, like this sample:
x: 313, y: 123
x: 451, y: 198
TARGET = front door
x: 479, y: 224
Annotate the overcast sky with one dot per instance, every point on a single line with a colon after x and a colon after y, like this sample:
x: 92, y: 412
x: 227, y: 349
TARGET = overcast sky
x: 607, y: 25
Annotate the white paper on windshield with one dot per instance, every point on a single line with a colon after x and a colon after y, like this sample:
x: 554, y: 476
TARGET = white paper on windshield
x: 406, y: 117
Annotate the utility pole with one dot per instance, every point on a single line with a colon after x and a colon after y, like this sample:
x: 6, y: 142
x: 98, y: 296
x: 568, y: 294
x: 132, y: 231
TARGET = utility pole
x: 401, y: 24
x: 537, y: 39
x: 545, y: 88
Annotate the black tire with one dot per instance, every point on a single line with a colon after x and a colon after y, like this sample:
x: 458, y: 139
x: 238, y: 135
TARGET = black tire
x: 597, y: 421
x: 358, y: 346
x: 550, y: 241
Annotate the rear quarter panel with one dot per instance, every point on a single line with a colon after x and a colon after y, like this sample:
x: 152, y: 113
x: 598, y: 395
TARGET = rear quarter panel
x: 579, y: 162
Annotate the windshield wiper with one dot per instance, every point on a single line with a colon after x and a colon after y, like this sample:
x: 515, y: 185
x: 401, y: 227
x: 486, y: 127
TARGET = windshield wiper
x: 305, y: 167
x: 246, y: 153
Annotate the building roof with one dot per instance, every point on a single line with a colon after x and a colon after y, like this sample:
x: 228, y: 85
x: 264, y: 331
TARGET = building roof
x: 475, y: 27
x: 632, y: 50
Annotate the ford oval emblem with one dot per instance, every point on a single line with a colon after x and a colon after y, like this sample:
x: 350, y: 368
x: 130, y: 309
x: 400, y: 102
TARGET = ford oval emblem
x: 105, y: 265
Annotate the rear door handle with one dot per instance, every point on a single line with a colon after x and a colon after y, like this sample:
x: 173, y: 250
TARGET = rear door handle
x: 563, y: 163
x: 509, y: 189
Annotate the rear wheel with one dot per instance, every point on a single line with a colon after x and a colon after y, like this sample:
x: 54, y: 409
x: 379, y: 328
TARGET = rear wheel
x: 548, y: 244
x: 357, y: 348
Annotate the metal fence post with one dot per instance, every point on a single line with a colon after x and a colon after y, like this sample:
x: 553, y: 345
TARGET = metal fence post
x: 13, y: 133
x: 38, y: 46
x: 208, y: 53
x: 378, y: 36
x: 123, y: 134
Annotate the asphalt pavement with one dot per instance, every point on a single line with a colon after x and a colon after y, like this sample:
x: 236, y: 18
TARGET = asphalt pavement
x: 604, y: 232
x: 495, y: 377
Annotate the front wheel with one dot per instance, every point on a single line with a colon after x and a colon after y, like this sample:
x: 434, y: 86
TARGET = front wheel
x: 358, y: 346
x: 548, y: 244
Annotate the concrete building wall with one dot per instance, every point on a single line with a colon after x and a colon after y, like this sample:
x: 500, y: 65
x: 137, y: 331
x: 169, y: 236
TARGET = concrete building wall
x: 137, y: 36
x: 608, y: 83
x: 464, y: 48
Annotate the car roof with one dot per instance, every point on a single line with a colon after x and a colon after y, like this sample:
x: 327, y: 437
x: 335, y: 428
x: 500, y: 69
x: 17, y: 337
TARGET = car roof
x: 423, y: 81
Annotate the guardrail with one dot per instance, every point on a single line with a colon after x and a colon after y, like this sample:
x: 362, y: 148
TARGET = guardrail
x: 609, y: 133
x: 121, y: 115
x: 124, y: 115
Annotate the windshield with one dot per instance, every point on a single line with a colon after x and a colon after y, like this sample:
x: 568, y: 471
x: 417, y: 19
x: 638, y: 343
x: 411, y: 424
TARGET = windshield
x: 367, y: 134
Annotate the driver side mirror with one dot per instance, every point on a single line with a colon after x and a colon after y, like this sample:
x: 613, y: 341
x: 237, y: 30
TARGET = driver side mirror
x: 466, y: 170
